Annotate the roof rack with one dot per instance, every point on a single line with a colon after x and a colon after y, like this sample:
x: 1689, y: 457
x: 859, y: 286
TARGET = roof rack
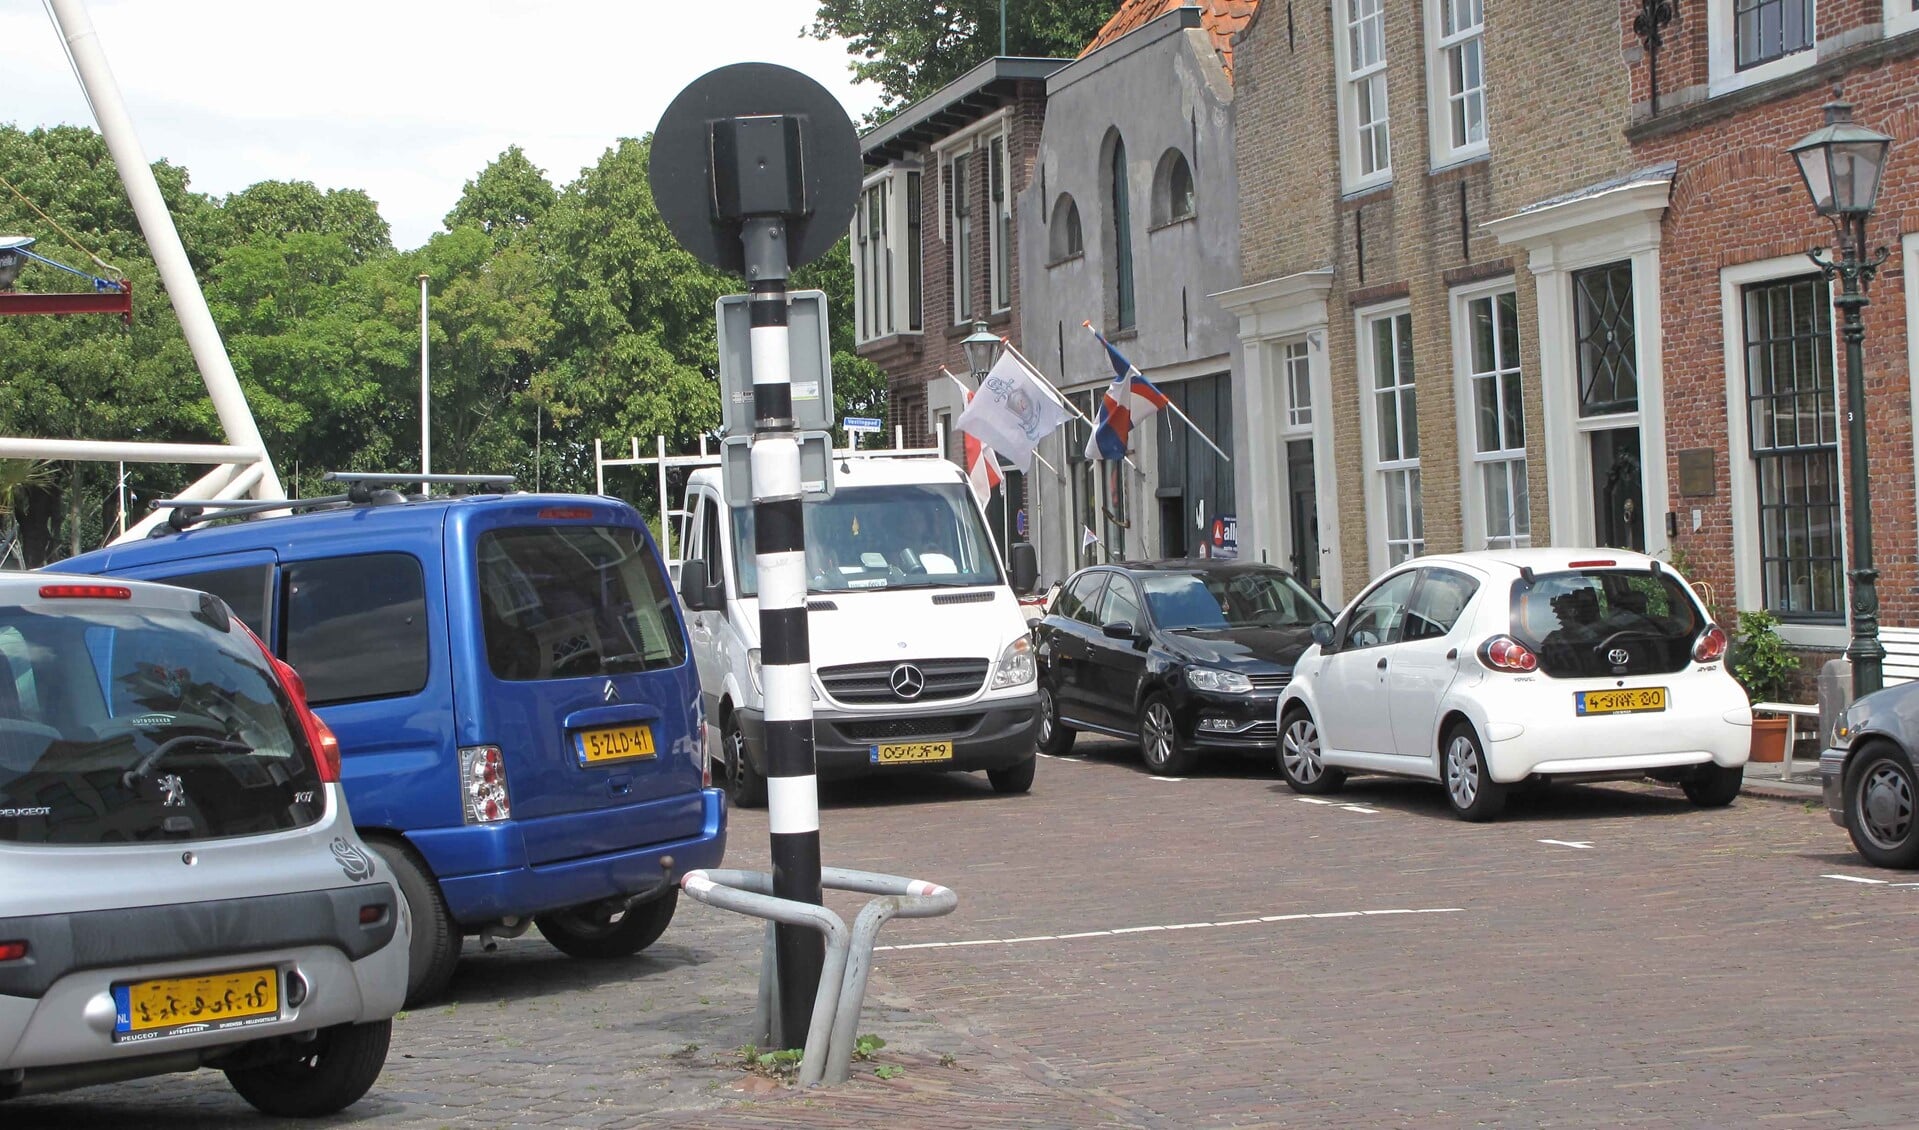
x: 187, y: 512
x: 359, y: 482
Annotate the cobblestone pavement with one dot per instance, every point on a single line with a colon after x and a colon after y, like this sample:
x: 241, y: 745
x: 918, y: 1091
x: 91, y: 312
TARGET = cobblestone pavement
x: 1603, y: 955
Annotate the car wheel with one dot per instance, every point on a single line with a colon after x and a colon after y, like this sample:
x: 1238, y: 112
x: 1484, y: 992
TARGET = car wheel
x: 1714, y: 786
x: 435, y: 948
x: 603, y: 929
x: 1055, y: 738
x: 1882, y: 809
x: 328, y: 1074
x: 1470, y: 788
x: 1299, y: 759
x: 1014, y: 779
x: 1159, y: 738
x: 744, y: 785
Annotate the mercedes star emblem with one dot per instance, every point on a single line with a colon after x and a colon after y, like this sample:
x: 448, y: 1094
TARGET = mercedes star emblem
x: 908, y: 681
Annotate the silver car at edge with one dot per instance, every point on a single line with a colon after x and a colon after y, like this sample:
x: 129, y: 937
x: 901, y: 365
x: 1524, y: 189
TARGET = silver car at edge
x: 180, y: 884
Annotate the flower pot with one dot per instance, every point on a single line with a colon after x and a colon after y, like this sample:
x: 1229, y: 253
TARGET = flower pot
x: 1769, y: 739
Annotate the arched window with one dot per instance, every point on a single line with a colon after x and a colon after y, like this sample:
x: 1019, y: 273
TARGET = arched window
x: 1063, y: 239
x: 1121, y: 211
x: 1172, y: 189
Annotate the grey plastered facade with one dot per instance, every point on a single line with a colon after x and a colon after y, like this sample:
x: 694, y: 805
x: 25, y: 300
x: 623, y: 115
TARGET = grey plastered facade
x: 1159, y: 91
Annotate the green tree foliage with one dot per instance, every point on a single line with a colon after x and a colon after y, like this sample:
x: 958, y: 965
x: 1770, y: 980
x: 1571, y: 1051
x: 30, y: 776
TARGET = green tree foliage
x: 509, y: 196
x: 910, y: 49
x: 277, y: 208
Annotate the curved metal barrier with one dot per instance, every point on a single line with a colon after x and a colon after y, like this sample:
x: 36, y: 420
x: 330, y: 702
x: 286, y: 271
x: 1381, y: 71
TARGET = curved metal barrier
x: 833, y: 1030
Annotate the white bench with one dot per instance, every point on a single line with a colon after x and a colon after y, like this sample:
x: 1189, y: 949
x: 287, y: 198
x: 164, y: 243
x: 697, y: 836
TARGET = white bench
x: 1901, y: 665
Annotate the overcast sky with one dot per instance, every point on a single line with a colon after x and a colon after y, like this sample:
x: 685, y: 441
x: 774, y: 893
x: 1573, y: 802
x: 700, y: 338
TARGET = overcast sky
x: 406, y: 99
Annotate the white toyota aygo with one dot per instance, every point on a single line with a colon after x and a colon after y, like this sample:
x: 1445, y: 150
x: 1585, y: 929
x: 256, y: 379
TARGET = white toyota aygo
x: 1483, y: 670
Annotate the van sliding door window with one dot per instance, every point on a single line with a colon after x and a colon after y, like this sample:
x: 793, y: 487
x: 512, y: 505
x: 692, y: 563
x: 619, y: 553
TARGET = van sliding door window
x: 356, y: 626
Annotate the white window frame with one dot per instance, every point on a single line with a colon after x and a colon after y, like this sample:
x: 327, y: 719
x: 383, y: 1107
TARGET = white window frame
x: 1743, y: 482
x: 1473, y: 507
x: 893, y: 315
x: 1378, y: 470
x: 975, y: 141
x: 1440, y: 95
x: 1294, y: 366
x: 1722, y: 57
x: 1901, y: 16
x: 1911, y: 281
x: 999, y: 235
x: 1559, y: 239
x: 1352, y: 176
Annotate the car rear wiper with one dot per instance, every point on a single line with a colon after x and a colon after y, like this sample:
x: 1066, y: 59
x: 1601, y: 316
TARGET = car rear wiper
x: 146, y: 764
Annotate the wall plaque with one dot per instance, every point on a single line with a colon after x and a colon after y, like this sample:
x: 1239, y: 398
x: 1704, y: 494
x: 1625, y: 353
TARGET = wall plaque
x: 1696, y: 472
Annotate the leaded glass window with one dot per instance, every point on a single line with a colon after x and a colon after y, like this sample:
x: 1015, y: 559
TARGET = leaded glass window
x: 1608, y: 346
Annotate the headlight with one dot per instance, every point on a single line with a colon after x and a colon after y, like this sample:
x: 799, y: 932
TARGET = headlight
x: 1223, y: 682
x: 1016, y: 667
x: 1842, y: 733
x: 753, y: 669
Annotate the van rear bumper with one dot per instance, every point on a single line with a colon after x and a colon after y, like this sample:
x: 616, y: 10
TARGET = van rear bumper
x: 996, y: 734
x: 485, y: 875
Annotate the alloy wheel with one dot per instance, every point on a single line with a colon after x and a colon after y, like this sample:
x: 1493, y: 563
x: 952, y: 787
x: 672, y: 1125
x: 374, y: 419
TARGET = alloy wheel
x: 1159, y: 738
x: 1046, y: 707
x: 1886, y: 806
x: 1462, y: 771
x: 1299, y: 750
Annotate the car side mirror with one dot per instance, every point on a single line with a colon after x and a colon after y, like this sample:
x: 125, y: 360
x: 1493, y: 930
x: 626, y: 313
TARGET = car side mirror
x: 1323, y: 634
x: 1120, y: 630
x: 1022, y: 560
x: 696, y: 586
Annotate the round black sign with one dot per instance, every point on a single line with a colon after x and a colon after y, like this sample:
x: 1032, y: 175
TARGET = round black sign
x: 681, y: 166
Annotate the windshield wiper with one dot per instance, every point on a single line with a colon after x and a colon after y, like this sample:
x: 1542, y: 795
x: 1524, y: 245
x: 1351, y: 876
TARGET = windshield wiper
x: 146, y: 764
x: 940, y: 585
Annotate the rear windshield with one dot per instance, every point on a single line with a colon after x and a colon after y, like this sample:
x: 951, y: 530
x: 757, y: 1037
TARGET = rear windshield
x: 125, y: 725
x: 1595, y: 623
x: 565, y: 602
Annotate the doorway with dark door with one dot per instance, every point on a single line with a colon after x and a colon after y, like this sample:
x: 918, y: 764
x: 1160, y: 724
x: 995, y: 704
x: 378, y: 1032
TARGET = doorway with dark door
x: 1303, y: 513
x: 1619, y: 519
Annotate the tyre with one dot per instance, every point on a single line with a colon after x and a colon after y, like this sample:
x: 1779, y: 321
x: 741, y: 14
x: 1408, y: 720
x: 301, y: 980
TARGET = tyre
x: 744, y: 785
x: 1159, y: 739
x: 328, y: 1075
x: 1714, y: 786
x: 603, y: 930
x: 435, y: 948
x: 1014, y: 779
x: 1880, y: 808
x: 1299, y: 757
x: 1055, y: 738
x: 1470, y: 787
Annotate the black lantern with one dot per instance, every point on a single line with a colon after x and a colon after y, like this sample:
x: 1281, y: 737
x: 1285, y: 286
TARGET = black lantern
x: 1842, y: 162
x: 982, y: 350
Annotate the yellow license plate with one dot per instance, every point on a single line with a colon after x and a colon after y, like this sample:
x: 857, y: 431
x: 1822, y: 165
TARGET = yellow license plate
x: 614, y: 743
x: 1641, y: 701
x: 912, y: 753
x: 177, y: 1006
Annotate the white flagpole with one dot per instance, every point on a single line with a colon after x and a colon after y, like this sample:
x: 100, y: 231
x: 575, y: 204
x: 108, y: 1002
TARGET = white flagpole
x: 1066, y: 401
x: 1169, y: 403
x: 948, y: 373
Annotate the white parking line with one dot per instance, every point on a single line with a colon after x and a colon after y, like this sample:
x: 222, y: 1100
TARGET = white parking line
x: 1173, y: 779
x: 1859, y: 879
x: 1584, y: 845
x: 1121, y: 930
x: 1347, y: 805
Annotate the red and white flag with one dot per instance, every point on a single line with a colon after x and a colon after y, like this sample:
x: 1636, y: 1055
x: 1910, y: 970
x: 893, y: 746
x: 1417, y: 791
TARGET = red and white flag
x: 982, y: 465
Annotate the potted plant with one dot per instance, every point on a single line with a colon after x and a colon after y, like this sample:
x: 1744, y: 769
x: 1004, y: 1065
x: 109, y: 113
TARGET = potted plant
x: 1764, y: 666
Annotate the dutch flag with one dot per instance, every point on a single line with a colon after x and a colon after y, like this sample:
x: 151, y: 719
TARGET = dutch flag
x: 1130, y: 399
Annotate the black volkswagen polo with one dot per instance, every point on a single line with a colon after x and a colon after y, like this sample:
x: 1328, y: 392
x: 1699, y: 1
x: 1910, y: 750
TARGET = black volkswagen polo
x: 1184, y: 656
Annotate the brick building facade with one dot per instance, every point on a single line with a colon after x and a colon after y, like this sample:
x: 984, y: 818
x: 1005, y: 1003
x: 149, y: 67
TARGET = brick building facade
x: 935, y: 241
x: 1753, y: 365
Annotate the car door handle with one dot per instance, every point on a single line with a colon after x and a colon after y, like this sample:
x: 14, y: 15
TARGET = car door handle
x: 1382, y: 664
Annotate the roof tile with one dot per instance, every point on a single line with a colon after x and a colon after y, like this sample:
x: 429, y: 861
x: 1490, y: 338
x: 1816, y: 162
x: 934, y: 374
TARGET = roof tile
x: 1222, y: 19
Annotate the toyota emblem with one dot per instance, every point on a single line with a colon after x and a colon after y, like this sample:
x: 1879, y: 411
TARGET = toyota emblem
x: 1618, y: 656
x: 908, y: 681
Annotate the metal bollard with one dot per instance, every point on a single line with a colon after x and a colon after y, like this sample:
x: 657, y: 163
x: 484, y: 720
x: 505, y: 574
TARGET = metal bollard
x: 833, y: 1031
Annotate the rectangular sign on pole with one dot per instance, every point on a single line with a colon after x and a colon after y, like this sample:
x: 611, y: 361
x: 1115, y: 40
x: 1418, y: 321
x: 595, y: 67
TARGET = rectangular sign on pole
x: 809, y: 357
x: 872, y: 424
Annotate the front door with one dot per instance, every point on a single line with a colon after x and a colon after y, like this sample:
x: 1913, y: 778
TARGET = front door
x: 1619, y: 509
x: 1425, y: 661
x: 1303, y: 512
x: 1116, y: 666
x: 1351, y: 684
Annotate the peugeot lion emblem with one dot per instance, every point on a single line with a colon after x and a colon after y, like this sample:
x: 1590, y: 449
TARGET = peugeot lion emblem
x: 173, y: 791
x: 908, y: 681
x: 1618, y: 656
x: 610, y: 693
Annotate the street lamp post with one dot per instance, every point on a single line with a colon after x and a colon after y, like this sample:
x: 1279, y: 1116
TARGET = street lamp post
x: 982, y: 350
x: 1841, y: 163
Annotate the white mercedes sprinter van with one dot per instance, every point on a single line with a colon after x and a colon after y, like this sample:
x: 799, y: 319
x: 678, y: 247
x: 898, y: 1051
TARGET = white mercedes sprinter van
x: 921, y: 654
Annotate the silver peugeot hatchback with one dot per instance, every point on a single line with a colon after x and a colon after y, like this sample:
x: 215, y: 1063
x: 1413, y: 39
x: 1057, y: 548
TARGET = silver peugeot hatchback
x: 180, y: 884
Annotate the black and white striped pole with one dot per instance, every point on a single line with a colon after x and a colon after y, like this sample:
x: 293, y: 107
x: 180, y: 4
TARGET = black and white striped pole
x: 756, y: 169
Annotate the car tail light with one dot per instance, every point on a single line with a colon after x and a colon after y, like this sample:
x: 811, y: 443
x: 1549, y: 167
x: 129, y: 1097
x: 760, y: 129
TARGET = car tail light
x: 372, y: 914
x: 85, y: 592
x: 320, y: 737
x: 1504, y: 653
x: 483, y: 793
x: 1711, y: 645
x: 565, y: 512
x: 1601, y: 564
x: 326, y: 748
x: 13, y: 951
